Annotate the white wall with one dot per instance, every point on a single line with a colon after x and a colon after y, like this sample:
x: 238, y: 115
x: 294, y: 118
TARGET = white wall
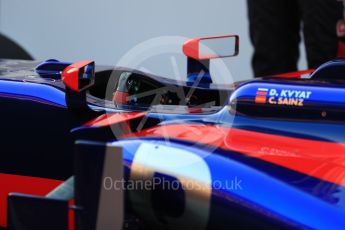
x: 105, y: 30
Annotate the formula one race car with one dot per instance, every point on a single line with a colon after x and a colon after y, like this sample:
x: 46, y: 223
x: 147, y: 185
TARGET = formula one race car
x: 94, y: 147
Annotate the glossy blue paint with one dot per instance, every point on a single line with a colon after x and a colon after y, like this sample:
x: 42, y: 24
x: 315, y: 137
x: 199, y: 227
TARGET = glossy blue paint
x: 202, y: 81
x: 333, y: 69
x: 326, y: 191
x: 51, y: 68
x: 52, y: 65
x: 33, y: 91
x: 260, y: 192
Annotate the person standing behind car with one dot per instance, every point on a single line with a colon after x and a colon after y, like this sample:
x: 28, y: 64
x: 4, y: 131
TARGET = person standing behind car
x: 275, y: 33
x: 341, y: 33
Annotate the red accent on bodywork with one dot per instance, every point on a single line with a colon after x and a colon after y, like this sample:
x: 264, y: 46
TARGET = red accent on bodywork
x: 120, y: 97
x: 194, y: 110
x: 22, y: 184
x: 71, y: 216
x: 70, y: 75
x: 191, y: 48
x: 114, y: 118
x: 323, y: 160
x: 341, y: 49
x: 296, y: 74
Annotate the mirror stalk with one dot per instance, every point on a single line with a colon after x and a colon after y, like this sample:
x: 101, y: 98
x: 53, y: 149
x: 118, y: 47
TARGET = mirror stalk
x: 198, y: 71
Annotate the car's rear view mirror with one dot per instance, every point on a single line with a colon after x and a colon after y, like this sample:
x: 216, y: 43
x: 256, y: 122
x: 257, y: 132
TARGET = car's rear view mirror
x: 212, y: 47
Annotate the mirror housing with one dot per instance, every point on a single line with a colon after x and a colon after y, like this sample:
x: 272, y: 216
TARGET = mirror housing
x: 206, y: 48
x: 79, y: 76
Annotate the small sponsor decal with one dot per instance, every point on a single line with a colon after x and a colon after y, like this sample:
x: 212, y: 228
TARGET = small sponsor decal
x: 286, y: 97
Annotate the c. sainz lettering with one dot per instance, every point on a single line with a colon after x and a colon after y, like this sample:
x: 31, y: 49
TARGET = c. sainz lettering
x: 286, y: 101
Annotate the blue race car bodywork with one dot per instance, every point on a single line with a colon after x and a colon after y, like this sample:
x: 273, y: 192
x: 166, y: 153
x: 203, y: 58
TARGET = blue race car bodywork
x: 266, y: 153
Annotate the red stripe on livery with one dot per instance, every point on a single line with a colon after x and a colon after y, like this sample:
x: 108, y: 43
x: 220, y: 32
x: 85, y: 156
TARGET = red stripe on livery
x: 323, y: 160
x: 114, y: 118
x: 296, y: 74
x: 22, y: 184
x: 261, y: 93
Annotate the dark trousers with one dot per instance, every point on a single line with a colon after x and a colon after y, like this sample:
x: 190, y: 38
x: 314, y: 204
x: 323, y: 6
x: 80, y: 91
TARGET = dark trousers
x: 275, y: 27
